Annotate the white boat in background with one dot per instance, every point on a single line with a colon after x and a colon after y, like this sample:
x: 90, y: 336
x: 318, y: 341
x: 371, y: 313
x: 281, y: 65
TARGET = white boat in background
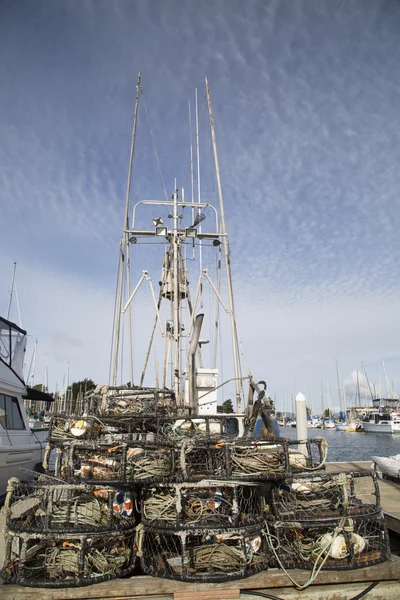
x: 384, y: 418
x: 314, y: 423
x: 329, y: 424
x: 387, y: 466
x: 341, y: 426
x: 20, y: 449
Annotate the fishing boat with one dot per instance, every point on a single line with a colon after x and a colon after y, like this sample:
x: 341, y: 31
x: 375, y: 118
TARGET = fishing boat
x: 190, y: 238
x: 384, y: 418
x: 21, y: 451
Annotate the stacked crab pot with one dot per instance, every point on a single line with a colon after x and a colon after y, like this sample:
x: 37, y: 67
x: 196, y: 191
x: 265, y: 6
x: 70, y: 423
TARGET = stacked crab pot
x: 76, y: 526
x: 208, y: 523
x: 327, y: 521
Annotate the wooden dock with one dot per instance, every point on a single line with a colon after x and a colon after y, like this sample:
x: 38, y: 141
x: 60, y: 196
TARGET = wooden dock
x: 333, y: 585
x: 329, y: 585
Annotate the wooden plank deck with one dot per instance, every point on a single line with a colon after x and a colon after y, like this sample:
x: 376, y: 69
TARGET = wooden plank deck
x: 389, y: 491
x: 150, y: 587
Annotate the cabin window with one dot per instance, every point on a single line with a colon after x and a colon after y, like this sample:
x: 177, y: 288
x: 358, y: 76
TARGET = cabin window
x: 10, y: 413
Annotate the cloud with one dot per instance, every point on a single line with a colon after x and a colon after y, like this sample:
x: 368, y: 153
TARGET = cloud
x: 305, y: 103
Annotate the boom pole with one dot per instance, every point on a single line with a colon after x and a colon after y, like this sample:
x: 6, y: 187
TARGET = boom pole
x: 235, y: 344
x: 125, y: 252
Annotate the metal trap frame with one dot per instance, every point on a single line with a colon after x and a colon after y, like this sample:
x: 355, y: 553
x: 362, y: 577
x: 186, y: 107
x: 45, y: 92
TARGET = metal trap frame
x: 311, y: 496
x: 55, y: 507
x: 67, y: 560
x: 202, y: 505
x: 213, y: 555
x: 335, y: 544
x: 306, y: 455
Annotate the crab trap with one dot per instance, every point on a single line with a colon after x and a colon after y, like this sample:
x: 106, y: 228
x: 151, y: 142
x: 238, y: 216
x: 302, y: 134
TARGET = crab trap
x: 207, y: 555
x: 336, y: 544
x: 68, y: 429
x: 135, y: 400
x: 228, y: 459
x: 204, y: 426
x: 308, y: 496
x: 64, y: 429
x: 257, y: 461
x: 201, y: 505
x: 67, y: 560
x: 45, y: 508
x: 115, y: 464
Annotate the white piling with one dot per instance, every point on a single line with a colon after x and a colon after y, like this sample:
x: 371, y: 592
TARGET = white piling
x: 301, y: 421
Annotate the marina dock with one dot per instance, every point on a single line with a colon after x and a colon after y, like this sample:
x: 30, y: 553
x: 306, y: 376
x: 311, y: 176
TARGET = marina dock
x: 329, y: 585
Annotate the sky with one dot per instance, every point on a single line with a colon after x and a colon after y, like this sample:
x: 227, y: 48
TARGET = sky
x: 305, y: 98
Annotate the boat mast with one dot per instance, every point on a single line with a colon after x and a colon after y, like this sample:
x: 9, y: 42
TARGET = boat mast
x: 227, y: 258
x: 366, y: 377
x: 125, y: 250
x: 11, y: 292
x: 30, y: 378
x: 388, y: 388
x: 338, y: 384
x: 176, y: 292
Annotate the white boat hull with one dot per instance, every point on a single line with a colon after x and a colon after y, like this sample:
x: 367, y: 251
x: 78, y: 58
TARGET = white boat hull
x: 382, y: 427
x: 20, y: 462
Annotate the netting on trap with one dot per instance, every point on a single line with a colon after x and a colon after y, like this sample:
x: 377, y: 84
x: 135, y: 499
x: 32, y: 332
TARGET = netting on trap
x: 306, y: 455
x: 123, y: 428
x: 201, y: 459
x: 202, y: 427
x: 42, y: 508
x: 336, y: 544
x: 324, y: 496
x: 258, y: 461
x: 113, y: 464
x: 208, y: 555
x: 67, y: 560
x: 201, y: 505
x: 71, y: 428
x: 226, y: 458
x: 136, y: 400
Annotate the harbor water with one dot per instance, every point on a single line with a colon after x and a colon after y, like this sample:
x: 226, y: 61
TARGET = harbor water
x: 344, y: 446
